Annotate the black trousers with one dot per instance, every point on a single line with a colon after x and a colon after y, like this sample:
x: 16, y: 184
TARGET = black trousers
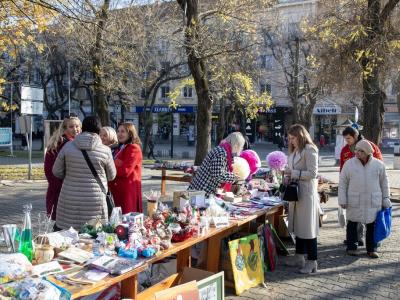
x: 307, y: 246
x: 352, y: 236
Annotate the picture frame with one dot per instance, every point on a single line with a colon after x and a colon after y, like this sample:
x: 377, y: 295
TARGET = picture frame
x: 212, y: 287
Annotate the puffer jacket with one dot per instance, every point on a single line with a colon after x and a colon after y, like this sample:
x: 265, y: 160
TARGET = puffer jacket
x: 81, y: 198
x: 364, y: 189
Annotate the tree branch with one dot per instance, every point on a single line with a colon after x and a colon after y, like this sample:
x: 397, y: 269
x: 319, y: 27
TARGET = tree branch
x: 387, y: 10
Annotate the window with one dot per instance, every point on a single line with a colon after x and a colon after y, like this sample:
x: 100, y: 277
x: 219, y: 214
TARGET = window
x: 164, y: 92
x: 293, y: 30
x: 270, y: 39
x: 165, y: 66
x: 145, y: 75
x: 188, y: 92
x: 164, y: 45
x: 267, y: 62
x: 265, y: 87
x: 144, y: 93
x: 88, y: 75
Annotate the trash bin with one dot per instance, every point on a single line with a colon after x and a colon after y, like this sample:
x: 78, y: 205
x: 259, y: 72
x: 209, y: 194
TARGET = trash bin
x: 396, y: 158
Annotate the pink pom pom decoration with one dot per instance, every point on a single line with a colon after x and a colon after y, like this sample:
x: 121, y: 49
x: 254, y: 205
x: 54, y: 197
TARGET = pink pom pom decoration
x: 253, y: 160
x: 277, y: 160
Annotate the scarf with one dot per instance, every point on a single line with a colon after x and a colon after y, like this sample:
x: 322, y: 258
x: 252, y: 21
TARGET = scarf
x: 227, y: 186
x: 117, y: 151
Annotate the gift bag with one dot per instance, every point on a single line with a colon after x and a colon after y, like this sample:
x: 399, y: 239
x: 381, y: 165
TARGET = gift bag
x: 246, y: 263
x: 341, y: 217
x: 383, y: 224
x: 271, y: 256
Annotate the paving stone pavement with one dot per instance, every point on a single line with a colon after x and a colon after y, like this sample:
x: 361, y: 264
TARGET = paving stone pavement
x: 339, y: 276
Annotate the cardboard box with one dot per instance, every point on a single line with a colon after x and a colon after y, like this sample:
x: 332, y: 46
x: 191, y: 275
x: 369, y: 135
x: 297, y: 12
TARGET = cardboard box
x: 208, y: 286
x: 282, y: 228
x: 176, y: 198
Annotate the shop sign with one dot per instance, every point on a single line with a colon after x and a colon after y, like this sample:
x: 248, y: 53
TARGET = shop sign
x: 327, y: 110
x: 166, y: 109
x: 272, y: 110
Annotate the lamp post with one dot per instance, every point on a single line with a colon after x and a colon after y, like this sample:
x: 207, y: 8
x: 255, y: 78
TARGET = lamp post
x: 172, y: 133
x: 69, y: 89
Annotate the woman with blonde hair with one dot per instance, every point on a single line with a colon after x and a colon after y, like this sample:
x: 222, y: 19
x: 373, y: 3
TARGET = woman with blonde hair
x: 66, y: 132
x: 108, y: 136
x: 304, y: 213
x: 126, y: 188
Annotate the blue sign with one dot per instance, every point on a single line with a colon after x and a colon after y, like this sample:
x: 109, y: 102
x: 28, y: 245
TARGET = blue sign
x: 5, y: 137
x: 166, y: 109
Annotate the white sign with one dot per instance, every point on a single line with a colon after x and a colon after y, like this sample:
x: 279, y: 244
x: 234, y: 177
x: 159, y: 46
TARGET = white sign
x: 327, y: 110
x: 31, y: 107
x: 31, y: 100
x: 32, y: 94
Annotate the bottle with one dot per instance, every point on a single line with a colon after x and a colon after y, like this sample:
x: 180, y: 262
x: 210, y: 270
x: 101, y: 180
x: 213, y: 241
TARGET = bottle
x: 96, y: 248
x: 26, y: 244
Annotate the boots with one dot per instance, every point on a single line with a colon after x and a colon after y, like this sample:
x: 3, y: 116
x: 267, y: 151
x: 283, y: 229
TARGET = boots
x: 296, y: 261
x: 310, y: 267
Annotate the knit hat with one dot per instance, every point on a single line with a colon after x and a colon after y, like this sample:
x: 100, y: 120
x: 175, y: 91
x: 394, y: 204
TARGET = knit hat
x: 365, y: 146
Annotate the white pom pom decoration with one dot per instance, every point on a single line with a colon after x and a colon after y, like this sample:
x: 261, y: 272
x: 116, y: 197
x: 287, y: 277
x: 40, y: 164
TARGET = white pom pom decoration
x: 241, y: 168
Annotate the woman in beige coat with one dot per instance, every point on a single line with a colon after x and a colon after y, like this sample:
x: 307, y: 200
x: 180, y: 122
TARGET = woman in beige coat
x: 304, y: 213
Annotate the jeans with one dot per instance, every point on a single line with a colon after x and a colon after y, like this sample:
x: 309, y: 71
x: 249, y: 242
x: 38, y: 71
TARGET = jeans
x: 307, y: 246
x: 352, y: 236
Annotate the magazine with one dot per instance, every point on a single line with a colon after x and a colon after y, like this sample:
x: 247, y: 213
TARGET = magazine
x: 114, y: 265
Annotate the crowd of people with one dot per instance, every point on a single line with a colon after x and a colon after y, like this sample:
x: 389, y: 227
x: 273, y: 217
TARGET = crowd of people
x: 74, y: 195
x: 77, y: 185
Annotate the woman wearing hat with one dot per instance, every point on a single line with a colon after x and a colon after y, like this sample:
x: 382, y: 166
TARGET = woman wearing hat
x: 363, y: 191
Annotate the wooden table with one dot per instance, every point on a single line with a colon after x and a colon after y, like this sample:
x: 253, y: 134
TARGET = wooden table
x: 183, y: 251
x: 165, y: 177
x: 128, y: 284
x: 213, y: 240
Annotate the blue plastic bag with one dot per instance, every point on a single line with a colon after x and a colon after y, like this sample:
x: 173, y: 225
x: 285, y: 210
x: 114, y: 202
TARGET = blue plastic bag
x: 383, y: 224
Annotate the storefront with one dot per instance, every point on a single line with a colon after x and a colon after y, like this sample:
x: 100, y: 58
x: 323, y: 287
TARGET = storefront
x: 325, y: 118
x: 182, y: 120
x: 271, y: 124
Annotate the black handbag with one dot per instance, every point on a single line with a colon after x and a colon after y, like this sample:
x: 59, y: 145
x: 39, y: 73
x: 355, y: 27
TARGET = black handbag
x: 109, y: 197
x: 290, y: 192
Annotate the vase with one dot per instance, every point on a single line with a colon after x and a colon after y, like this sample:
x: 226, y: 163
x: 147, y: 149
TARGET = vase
x: 44, y: 253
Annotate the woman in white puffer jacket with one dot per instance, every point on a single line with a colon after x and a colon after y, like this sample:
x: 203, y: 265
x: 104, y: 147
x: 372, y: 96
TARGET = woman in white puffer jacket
x: 363, y: 191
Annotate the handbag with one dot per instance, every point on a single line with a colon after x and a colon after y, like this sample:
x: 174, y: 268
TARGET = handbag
x: 383, y: 224
x: 109, y: 197
x: 290, y: 191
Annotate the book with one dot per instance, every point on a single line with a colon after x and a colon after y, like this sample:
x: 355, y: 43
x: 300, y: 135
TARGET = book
x: 114, y: 265
x: 75, y: 254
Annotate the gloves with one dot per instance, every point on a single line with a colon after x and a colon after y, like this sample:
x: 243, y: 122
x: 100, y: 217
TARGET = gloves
x: 386, y: 203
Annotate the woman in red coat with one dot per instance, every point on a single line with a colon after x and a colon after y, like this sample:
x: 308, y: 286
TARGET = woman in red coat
x: 67, y: 131
x: 126, y: 188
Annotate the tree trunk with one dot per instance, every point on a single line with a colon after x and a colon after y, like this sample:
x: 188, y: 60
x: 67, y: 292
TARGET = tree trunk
x: 222, y: 121
x: 100, y: 101
x: 373, y: 109
x: 373, y: 96
x: 199, y: 72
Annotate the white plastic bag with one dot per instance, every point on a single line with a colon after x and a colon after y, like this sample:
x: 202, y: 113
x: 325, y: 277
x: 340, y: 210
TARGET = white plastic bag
x: 341, y: 217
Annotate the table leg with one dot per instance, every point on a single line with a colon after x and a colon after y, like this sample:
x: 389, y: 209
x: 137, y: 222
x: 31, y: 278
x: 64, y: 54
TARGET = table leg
x: 129, y: 287
x: 183, y: 259
x: 163, y: 182
x: 213, y: 253
x: 276, y: 217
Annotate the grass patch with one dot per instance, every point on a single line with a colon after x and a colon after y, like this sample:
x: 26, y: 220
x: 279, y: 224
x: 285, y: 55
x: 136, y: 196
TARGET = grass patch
x: 22, y: 154
x: 20, y: 173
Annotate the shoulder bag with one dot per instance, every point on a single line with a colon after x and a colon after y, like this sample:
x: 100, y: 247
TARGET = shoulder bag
x: 290, y: 191
x: 109, y: 198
